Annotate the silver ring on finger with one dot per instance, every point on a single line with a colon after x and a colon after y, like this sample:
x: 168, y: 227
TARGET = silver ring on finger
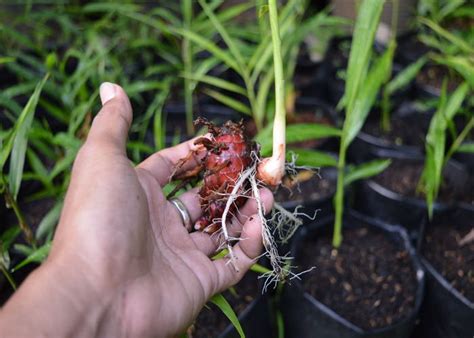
x: 182, y: 211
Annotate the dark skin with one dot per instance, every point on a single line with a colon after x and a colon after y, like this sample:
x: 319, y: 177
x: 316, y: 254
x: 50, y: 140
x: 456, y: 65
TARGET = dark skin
x: 122, y: 263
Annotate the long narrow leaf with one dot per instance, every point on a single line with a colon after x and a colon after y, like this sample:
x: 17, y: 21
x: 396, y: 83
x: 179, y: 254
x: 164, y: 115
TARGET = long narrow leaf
x: 455, y: 101
x: 228, y: 101
x: 466, y: 148
x: 435, y: 148
x: 36, y: 256
x: 20, y: 141
x: 233, y: 48
x: 217, y: 82
x: 366, y: 170
x: 460, y: 43
x: 362, y: 42
x: 49, y: 221
x: 406, y: 76
x: 226, y: 309
x: 210, y: 46
x: 365, y: 98
x: 463, y: 65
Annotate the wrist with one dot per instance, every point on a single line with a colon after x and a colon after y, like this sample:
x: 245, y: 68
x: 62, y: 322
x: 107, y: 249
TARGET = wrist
x: 57, y: 299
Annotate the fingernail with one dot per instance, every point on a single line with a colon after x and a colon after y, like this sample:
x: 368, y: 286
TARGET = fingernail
x: 107, y: 92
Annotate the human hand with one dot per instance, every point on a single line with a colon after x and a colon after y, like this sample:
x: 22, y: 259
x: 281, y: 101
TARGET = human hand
x: 122, y: 263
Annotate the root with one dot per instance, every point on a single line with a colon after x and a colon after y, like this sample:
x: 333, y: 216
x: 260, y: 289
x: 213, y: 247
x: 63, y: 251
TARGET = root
x: 286, y: 223
x: 231, y: 199
x: 291, y: 169
x: 283, y: 223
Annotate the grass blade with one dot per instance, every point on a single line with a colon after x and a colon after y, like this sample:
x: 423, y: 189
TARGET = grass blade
x: 36, y: 256
x: 49, y: 221
x: 458, y: 42
x: 209, y: 46
x: 463, y: 65
x: 228, y: 101
x: 405, y: 76
x: 20, y: 140
x: 435, y: 148
x: 233, y: 48
x: 217, y: 82
x: 455, y: 101
x: 367, y: 93
x: 225, y: 307
x: 366, y: 170
x: 467, y: 147
x: 362, y: 42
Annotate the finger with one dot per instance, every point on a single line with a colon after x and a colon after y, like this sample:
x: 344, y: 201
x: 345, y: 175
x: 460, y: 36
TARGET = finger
x: 245, y: 253
x: 213, y: 242
x: 110, y: 126
x: 163, y: 164
x: 243, y: 214
x: 191, y: 201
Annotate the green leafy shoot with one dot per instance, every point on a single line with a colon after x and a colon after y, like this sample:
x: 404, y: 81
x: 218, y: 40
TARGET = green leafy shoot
x: 362, y: 85
x: 436, y: 157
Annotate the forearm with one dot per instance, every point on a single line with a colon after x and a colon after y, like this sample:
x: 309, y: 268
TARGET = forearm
x: 54, y: 301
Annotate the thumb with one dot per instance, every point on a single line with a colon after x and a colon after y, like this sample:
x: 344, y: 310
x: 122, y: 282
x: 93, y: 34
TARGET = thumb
x: 110, y: 126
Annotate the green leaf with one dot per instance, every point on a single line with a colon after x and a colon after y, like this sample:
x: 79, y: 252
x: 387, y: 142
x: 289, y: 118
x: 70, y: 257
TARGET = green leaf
x: 464, y: 11
x: 233, y: 48
x: 228, y: 101
x: 36, y: 164
x: 435, y: 149
x: 356, y: 113
x: 8, y: 237
x: 360, y: 92
x: 455, y: 101
x: 297, y: 132
x: 36, y: 256
x: 363, y: 37
x: 225, y: 307
x: 202, y: 23
x: 143, y: 86
x: 6, y: 59
x: 463, y: 65
x: 300, y: 132
x: 467, y: 147
x: 209, y: 46
x: 20, y: 140
x: 311, y: 158
x: 365, y: 170
x: 110, y: 7
x: 458, y: 42
x: 449, y: 8
x: 49, y: 221
x: 217, y: 82
x: 405, y: 76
